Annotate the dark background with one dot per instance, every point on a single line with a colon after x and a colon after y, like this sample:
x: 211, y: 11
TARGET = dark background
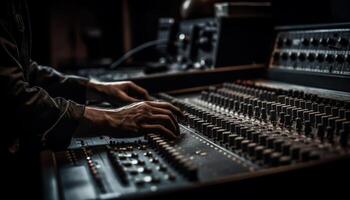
x: 75, y: 34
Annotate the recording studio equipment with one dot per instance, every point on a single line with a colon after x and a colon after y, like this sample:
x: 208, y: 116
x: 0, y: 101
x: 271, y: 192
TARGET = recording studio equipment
x: 237, y: 132
x: 313, y: 51
x: 203, y: 43
x: 167, y: 30
x: 239, y: 9
x: 217, y: 42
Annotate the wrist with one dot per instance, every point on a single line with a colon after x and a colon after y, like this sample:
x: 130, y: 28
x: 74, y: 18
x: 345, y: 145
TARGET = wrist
x: 92, y: 122
x: 94, y: 91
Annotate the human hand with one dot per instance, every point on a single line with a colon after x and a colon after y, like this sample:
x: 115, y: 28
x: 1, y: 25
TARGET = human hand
x: 134, y: 119
x: 112, y: 92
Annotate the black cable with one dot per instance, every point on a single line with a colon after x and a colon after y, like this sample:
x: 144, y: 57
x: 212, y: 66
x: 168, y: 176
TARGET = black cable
x: 136, y: 50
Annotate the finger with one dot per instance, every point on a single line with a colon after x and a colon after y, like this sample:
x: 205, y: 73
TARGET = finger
x: 164, y: 120
x: 139, y: 90
x: 167, y: 106
x: 126, y: 98
x: 156, y: 110
x: 159, y: 129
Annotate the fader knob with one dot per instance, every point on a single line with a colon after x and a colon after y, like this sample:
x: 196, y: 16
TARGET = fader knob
x: 285, y: 56
x: 320, y: 131
x: 343, y: 41
x: 237, y: 142
x: 314, y: 41
x: 282, y: 117
x: 293, y: 56
x: 273, y: 116
x: 276, y: 56
x: 224, y: 137
x: 244, y: 145
x: 231, y: 139
x: 263, y: 114
x: 340, y: 58
x: 295, y: 151
x: 311, y: 57
x: 305, y: 155
x: 344, y: 134
x: 267, y: 155
x: 286, y: 148
x: 320, y: 57
x: 302, y: 56
x: 299, y: 124
x: 275, y: 157
x: 287, y: 41
x: 330, y: 58
x: 288, y: 120
x: 305, y: 41
x: 347, y: 115
x: 250, y: 110
x: 330, y: 41
x: 258, y: 152
x: 285, y: 160
x: 307, y: 128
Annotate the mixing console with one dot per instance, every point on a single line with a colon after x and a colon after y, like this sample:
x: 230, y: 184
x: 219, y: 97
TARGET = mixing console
x: 230, y: 132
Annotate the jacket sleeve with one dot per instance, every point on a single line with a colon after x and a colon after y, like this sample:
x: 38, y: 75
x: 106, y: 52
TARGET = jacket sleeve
x: 58, y: 84
x: 30, y: 108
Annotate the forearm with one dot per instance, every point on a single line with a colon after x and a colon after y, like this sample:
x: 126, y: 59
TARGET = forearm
x: 94, y: 120
x: 58, y: 84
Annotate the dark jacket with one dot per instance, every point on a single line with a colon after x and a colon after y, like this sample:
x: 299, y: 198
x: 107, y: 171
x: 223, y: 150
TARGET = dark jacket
x: 37, y: 104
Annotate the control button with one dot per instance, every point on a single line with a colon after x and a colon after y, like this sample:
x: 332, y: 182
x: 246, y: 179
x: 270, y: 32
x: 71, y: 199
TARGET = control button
x: 273, y: 116
x: 293, y: 56
x: 288, y: 120
x: 270, y: 142
x: 343, y: 41
x: 263, y: 114
x: 287, y: 42
x: 276, y: 56
x: 258, y: 152
x: 315, y: 41
x: 320, y: 131
x: 299, y: 124
x: 280, y: 42
x: 344, y: 134
x: 275, y: 157
x: 295, y: 151
x: 311, y: 57
x: 286, y: 148
x: 231, y: 139
x: 305, y: 41
x: 320, y: 57
x: 323, y: 42
x: 277, y: 145
x: 340, y: 58
x: 251, y: 148
x: 302, y: 56
x: 262, y: 139
x: 250, y: 110
x: 330, y: 58
x: 225, y: 136
x: 305, y: 155
x: 285, y: 160
x: 330, y: 41
x: 285, y: 56
x: 267, y: 155
x: 244, y: 145
x: 282, y: 119
x: 237, y: 142
x: 307, y: 128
